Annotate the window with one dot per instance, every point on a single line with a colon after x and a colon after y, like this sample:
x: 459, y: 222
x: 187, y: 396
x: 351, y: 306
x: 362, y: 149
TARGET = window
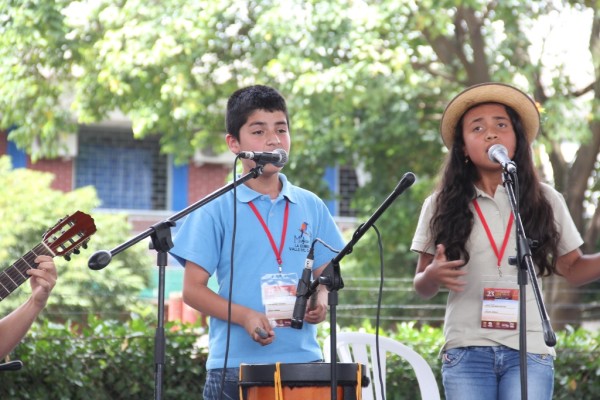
x: 346, y: 188
x: 127, y: 173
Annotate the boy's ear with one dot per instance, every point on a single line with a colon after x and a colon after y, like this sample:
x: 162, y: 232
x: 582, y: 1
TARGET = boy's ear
x: 233, y: 143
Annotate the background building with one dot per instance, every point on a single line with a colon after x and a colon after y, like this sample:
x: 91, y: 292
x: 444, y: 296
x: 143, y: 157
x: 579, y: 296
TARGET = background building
x: 132, y: 176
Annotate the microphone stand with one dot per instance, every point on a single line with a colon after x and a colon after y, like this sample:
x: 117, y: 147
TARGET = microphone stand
x: 160, y: 233
x: 331, y: 276
x: 524, y: 263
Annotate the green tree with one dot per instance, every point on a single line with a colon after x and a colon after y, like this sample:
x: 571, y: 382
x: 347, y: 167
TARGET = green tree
x: 366, y: 83
x: 28, y: 207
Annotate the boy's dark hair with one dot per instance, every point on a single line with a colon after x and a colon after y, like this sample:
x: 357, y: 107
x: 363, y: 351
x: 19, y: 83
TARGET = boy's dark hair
x: 243, y: 102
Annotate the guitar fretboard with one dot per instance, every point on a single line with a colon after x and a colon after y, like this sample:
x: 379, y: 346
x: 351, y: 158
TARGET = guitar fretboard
x: 13, y: 276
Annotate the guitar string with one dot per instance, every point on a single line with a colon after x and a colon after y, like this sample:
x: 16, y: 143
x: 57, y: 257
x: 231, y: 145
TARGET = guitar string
x: 19, y: 267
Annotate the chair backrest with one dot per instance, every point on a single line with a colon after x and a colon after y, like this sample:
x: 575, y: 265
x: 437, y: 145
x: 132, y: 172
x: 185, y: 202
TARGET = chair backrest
x: 358, y: 347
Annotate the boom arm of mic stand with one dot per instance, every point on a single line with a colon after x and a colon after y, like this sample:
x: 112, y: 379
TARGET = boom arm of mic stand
x: 102, y: 258
x: 329, y: 276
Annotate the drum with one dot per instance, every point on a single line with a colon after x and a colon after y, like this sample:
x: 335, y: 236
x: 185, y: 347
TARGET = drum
x: 303, y: 381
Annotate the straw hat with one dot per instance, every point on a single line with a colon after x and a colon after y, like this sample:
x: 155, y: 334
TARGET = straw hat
x: 490, y: 92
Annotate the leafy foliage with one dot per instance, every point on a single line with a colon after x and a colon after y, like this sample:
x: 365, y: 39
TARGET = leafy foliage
x: 109, y: 359
x: 28, y: 206
x: 576, y: 366
x: 366, y: 83
x: 105, y: 360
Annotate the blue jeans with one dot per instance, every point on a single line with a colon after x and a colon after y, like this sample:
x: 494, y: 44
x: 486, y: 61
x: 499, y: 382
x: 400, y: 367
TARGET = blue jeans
x: 212, y: 386
x: 493, y: 372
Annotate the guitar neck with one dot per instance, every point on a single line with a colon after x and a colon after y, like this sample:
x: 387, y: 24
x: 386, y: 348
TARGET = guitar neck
x: 15, y: 275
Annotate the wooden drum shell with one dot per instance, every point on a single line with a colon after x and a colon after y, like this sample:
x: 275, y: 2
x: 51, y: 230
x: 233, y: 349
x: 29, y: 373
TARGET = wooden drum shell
x: 301, y: 381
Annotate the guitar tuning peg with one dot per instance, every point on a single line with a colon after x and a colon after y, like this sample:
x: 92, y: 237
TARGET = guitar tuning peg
x: 68, y: 257
x: 76, y: 251
x: 84, y: 245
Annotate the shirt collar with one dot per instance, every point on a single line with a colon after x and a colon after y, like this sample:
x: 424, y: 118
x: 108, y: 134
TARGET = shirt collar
x: 480, y: 193
x: 246, y: 195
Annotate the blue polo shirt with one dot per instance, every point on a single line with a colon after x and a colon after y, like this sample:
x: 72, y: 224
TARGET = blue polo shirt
x: 204, y: 238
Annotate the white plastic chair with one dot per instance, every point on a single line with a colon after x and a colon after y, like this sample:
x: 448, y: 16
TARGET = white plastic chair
x: 358, y: 347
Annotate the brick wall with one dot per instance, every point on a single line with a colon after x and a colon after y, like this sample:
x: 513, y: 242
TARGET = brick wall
x: 3, y: 143
x: 205, y: 179
x: 62, y: 170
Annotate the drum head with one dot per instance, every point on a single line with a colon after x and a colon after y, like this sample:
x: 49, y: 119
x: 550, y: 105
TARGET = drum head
x: 302, y: 374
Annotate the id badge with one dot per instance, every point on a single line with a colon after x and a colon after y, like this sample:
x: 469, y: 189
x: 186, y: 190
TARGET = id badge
x: 279, y: 297
x: 500, y: 308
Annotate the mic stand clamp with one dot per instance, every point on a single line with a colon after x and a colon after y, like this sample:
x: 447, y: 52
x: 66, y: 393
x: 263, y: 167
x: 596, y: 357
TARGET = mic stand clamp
x: 526, y: 268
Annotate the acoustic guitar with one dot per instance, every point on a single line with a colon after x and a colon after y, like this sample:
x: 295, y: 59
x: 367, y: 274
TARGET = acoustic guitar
x: 62, y: 240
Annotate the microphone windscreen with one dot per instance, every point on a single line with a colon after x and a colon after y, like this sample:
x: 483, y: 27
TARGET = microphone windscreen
x: 495, y: 149
x: 284, y: 157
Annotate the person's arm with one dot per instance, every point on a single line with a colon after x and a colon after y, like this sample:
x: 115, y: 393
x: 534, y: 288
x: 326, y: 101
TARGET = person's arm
x: 15, y: 325
x: 435, y: 271
x: 579, y: 269
x: 199, y: 296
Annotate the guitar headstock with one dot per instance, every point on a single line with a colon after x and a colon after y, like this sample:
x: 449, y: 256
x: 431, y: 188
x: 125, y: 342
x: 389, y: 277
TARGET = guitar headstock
x: 69, y: 234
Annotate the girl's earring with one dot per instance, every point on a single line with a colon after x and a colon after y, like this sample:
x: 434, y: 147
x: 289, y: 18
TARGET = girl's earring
x: 467, y: 159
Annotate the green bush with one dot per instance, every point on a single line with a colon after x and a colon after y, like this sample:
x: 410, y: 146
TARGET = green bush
x: 106, y: 360
x: 28, y: 207
x: 577, y: 366
x: 114, y: 360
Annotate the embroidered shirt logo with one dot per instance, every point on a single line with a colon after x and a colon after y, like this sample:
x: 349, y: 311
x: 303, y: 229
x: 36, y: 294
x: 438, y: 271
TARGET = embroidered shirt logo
x: 302, y: 239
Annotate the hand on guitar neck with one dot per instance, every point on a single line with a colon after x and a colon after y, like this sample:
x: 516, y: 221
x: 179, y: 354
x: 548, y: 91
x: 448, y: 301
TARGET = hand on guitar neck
x: 64, y: 239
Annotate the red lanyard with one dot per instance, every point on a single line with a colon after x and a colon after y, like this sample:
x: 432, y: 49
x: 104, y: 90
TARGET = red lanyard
x: 489, y: 233
x: 268, y: 232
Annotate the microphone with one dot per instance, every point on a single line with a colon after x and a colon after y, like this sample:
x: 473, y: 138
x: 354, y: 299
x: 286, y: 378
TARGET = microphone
x: 302, y: 290
x: 499, y: 154
x: 278, y: 157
